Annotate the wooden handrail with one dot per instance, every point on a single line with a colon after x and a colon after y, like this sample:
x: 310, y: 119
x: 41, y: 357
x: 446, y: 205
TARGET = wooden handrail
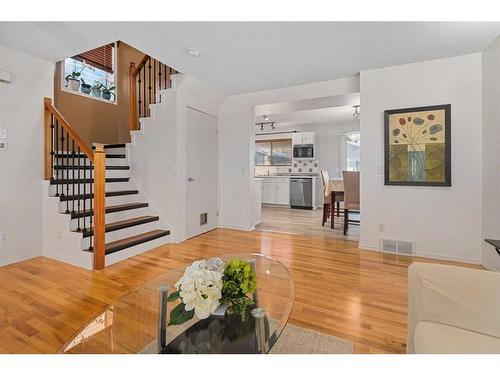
x: 144, y: 88
x: 70, y: 174
x: 79, y: 141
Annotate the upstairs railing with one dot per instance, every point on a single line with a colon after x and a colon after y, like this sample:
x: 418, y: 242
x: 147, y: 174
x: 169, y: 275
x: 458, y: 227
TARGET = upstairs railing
x: 146, y: 80
x: 71, y: 166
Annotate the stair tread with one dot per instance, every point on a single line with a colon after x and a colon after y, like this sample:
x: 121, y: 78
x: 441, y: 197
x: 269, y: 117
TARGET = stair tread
x: 108, y: 167
x: 122, y: 224
x: 88, y: 180
x: 124, y: 243
x: 81, y: 155
x: 116, y: 193
x: 111, y: 209
x: 112, y: 145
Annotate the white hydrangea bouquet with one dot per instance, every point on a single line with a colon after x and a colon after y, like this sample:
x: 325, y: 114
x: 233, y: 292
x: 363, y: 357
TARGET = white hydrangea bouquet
x: 207, y: 284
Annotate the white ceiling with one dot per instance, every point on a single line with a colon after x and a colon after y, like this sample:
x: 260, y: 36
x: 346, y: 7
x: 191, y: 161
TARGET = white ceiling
x: 238, y: 57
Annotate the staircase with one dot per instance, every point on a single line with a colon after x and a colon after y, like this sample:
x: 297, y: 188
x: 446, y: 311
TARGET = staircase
x: 99, y: 209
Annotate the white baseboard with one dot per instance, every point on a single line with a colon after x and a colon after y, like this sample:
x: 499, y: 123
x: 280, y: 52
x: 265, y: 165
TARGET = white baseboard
x: 249, y: 229
x: 6, y: 262
x: 488, y: 267
x: 424, y: 255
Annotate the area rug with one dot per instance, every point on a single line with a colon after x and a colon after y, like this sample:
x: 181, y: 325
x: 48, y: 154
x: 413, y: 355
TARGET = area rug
x: 297, y: 340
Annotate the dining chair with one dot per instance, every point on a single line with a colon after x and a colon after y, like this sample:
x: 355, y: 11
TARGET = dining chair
x: 351, y: 196
x: 327, y: 209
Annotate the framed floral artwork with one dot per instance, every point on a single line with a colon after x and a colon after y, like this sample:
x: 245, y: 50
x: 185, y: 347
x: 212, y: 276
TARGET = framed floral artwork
x: 417, y: 146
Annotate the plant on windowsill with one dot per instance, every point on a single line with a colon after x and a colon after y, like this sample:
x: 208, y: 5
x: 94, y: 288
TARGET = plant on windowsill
x: 96, y: 89
x: 73, y: 79
x: 85, y: 87
x: 107, y: 92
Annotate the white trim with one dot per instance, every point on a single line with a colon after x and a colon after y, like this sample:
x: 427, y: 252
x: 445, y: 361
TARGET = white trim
x: 222, y: 226
x: 9, y: 261
x: 488, y: 267
x: 423, y: 255
x: 65, y: 89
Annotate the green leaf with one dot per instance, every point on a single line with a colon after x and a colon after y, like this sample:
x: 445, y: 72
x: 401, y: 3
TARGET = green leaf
x: 172, y: 297
x: 179, y: 315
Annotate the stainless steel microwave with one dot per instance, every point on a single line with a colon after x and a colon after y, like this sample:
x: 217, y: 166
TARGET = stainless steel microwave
x: 303, y: 152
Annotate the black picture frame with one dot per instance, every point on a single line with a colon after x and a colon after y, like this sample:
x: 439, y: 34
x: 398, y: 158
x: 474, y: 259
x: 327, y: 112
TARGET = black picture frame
x: 447, y: 127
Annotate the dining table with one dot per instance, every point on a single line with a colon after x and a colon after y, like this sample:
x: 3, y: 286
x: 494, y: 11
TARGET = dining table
x: 335, y: 189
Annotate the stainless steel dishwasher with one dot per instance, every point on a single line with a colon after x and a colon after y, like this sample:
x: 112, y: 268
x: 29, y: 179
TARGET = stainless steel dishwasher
x: 301, y: 193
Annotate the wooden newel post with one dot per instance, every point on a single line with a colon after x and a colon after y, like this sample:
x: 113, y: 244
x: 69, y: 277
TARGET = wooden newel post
x: 47, y: 139
x: 99, y: 206
x: 132, y: 97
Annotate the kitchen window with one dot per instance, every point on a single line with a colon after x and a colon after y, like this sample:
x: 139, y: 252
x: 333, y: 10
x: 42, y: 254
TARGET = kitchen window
x: 273, y: 152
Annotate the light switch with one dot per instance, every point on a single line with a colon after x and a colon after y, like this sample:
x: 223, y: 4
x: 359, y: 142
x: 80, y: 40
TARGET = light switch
x: 3, y: 145
x: 3, y: 133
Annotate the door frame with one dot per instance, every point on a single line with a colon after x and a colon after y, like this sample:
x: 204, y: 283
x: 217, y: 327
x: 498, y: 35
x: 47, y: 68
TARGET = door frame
x: 187, y: 107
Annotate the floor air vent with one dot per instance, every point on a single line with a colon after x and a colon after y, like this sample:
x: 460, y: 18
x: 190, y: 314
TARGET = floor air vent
x: 397, y: 246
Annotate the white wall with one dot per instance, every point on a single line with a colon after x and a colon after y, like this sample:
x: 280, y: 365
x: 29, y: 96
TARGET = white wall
x: 158, y: 152
x: 236, y: 137
x: 491, y: 151
x: 445, y: 222
x: 21, y: 167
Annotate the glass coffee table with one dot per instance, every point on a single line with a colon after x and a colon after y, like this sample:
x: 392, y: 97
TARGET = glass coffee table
x: 135, y: 323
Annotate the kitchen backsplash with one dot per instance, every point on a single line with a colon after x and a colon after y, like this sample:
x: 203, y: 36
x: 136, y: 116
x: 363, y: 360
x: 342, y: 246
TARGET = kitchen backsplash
x: 297, y: 167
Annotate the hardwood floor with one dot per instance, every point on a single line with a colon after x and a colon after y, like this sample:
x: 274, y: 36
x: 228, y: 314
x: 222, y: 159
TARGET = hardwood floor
x: 304, y: 222
x: 340, y: 290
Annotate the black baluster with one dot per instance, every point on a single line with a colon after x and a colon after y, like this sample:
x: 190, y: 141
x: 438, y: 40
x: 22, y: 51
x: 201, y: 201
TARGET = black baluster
x: 91, y: 207
x: 73, y: 177
x: 169, y: 77
x: 165, y: 76
x: 84, y: 190
x: 61, y: 158
x: 68, y: 168
x: 139, y: 102
x: 56, y: 159
x: 149, y: 86
x: 159, y: 76
x: 79, y: 228
x: 154, y: 80
x: 144, y: 91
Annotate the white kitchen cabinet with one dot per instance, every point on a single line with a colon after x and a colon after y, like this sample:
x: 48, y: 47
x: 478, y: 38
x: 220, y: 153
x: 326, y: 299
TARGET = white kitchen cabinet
x: 282, y: 192
x: 267, y: 192
x: 303, y: 138
x: 276, y: 191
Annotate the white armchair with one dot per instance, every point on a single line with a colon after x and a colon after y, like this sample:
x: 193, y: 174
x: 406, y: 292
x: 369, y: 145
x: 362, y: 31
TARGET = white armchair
x: 453, y: 310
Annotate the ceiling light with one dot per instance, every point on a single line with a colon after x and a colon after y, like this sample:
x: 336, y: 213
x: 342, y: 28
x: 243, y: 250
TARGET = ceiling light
x: 266, y: 118
x: 193, y: 52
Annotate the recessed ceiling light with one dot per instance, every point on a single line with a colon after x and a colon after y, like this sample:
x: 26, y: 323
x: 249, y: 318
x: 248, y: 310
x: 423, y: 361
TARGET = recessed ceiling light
x: 194, y: 52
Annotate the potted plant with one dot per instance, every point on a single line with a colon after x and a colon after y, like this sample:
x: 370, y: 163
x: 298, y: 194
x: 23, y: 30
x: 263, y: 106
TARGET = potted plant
x: 73, y: 79
x: 96, y: 89
x: 85, y: 87
x: 107, y: 92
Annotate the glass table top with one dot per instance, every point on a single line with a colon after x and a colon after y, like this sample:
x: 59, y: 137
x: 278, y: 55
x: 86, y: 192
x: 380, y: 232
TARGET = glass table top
x: 132, y: 323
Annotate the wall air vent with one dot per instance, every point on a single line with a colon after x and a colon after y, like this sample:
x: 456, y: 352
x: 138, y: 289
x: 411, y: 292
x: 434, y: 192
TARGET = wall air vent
x: 397, y: 246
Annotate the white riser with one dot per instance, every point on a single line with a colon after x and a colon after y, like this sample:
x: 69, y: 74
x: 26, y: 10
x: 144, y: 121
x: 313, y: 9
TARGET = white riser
x: 124, y: 233
x: 115, y: 151
x: 86, y: 162
x: 136, y: 250
x: 110, y: 201
x: 71, y: 174
x: 110, y: 186
x: 115, y: 216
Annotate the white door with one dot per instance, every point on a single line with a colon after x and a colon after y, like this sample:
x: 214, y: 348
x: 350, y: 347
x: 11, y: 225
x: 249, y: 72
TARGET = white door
x: 201, y: 168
